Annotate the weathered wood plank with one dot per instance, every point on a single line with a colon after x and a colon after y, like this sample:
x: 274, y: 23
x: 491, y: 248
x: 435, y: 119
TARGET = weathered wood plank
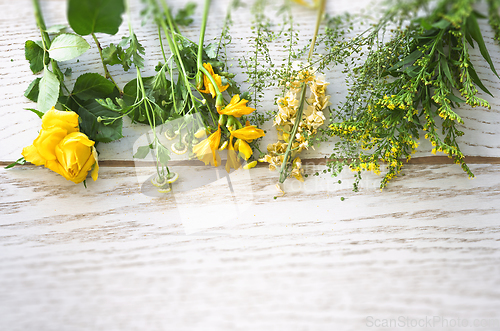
x: 110, y: 257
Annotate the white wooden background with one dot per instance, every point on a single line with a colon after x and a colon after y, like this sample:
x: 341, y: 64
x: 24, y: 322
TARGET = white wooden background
x: 227, y: 256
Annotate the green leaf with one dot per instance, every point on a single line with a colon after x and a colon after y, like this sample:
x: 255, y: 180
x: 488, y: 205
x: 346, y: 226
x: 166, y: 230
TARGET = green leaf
x: 94, y: 127
x: 92, y: 86
x: 163, y: 154
x: 112, y: 54
x: 32, y: 90
x: 142, y: 152
x: 442, y: 24
x: 34, y: 54
x: 91, y: 16
x: 20, y: 161
x: 475, y: 33
x: 426, y: 25
x: 446, y: 69
x: 58, y: 28
x: 48, y: 90
x: 160, y: 81
x: 183, y: 15
x: 133, y: 53
x: 454, y: 98
x: 109, y: 104
x: 67, y: 46
x: 412, y: 57
x: 38, y: 113
x: 475, y: 78
x: 211, y: 51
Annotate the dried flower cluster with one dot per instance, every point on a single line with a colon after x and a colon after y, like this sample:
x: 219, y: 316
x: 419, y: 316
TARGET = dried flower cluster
x: 285, y: 119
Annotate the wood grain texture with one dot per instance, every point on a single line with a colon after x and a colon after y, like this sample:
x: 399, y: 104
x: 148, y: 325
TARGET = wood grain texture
x: 112, y: 258
x: 219, y: 252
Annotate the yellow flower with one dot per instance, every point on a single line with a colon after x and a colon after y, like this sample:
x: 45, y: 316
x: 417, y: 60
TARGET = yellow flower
x: 61, y: 148
x: 250, y: 165
x: 248, y: 133
x: 232, y: 157
x: 206, y: 150
x: 76, y: 155
x: 209, y: 88
x: 236, y: 107
x: 244, y: 148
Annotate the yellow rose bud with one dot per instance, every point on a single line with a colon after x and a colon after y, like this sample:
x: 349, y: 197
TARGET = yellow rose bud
x: 76, y: 156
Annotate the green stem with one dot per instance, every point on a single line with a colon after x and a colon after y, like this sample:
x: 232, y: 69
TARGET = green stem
x: 202, y: 34
x: 298, y: 119
x: 172, y: 43
x: 106, y: 72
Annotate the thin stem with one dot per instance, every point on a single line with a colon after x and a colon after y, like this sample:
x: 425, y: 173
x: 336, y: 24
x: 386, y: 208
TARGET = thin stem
x: 41, y: 24
x: 202, y: 34
x: 106, y: 72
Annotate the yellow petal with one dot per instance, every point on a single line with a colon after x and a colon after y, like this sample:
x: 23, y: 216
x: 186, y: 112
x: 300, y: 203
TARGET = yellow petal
x: 248, y: 133
x: 245, y: 149
x: 250, y: 165
x: 208, y: 86
x: 237, y: 107
x: 95, y: 170
x: 67, y: 120
x: 31, y: 155
x: 232, y: 157
x: 206, y: 150
x: 47, y: 141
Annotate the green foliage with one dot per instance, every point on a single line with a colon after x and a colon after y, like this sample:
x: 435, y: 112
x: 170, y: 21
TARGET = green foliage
x: 19, y: 161
x: 143, y: 151
x: 34, y: 54
x: 93, y: 16
x: 48, y: 90
x: 94, y: 125
x: 67, y: 46
x: 92, y: 86
x: 183, y: 16
x: 411, y: 83
x: 126, y: 56
x: 33, y: 90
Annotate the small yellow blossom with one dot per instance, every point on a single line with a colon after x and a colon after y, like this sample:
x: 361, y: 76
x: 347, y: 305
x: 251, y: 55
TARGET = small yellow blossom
x: 206, y: 150
x: 209, y: 88
x: 236, y: 107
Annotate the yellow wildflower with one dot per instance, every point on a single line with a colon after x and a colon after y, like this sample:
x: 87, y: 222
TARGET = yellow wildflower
x: 206, y: 150
x: 250, y: 165
x: 248, y: 133
x: 209, y: 88
x: 244, y: 148
x: 236, y: 107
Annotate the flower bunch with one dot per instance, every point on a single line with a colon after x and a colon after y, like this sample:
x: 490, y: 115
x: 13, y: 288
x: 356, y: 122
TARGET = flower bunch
x: 284, y: 121
x: 414, y: 82
x: 62, y: 148
x: 230, y: 122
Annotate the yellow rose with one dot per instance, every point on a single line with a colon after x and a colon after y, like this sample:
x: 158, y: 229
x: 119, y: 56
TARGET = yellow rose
x: 62, y: 148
